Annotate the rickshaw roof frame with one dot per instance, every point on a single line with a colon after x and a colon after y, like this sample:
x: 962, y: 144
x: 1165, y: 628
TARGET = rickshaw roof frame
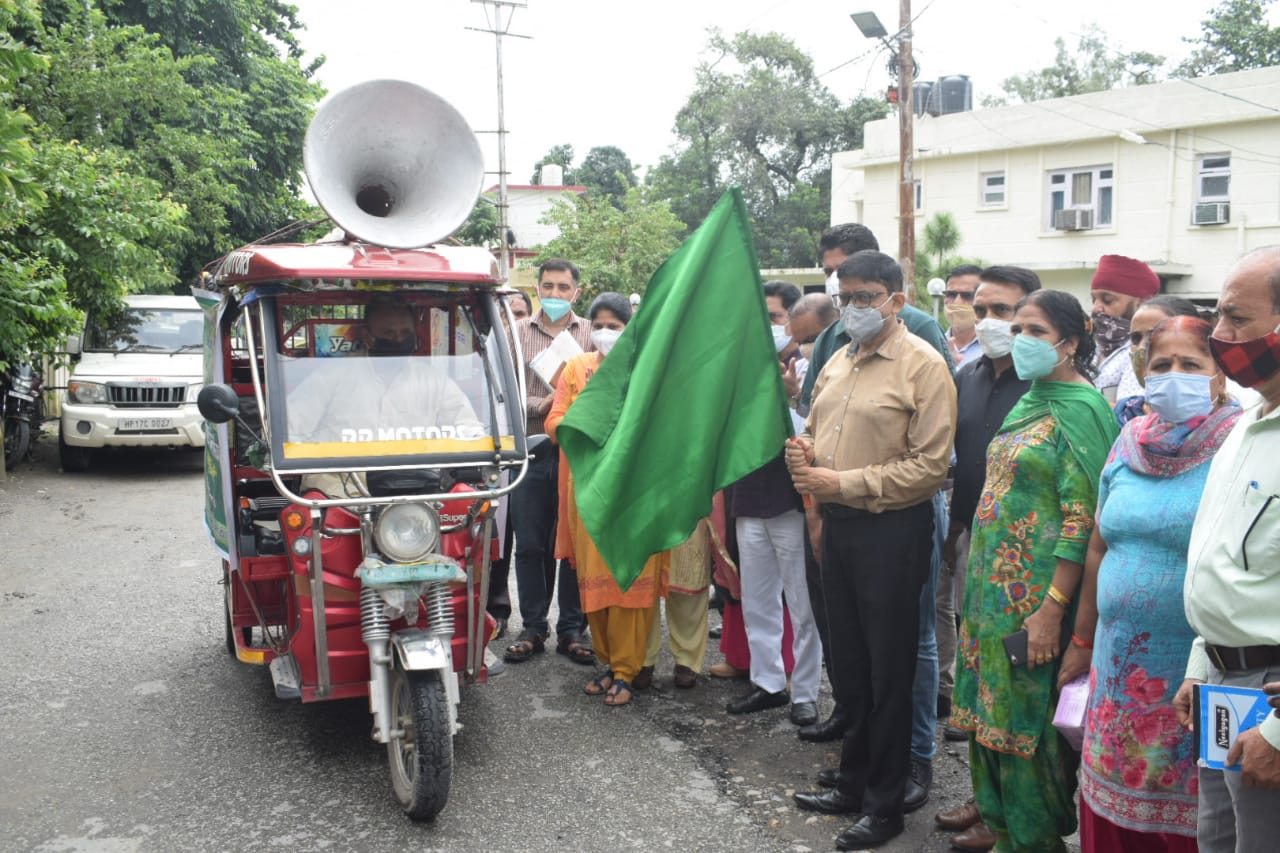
x: 324, y: 265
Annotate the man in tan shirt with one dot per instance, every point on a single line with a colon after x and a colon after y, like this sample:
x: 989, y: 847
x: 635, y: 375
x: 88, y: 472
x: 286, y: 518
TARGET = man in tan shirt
x: 876, y: 448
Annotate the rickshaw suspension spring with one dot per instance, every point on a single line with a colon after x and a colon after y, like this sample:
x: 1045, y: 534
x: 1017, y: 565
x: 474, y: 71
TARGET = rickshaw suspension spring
x: 439, y: 610
x: 374, y: 624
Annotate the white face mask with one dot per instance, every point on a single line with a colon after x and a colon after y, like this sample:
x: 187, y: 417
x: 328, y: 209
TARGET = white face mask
x: 995, y: 337
x: 833, y: 285
x: 604, y: 339
x: 780, y: 338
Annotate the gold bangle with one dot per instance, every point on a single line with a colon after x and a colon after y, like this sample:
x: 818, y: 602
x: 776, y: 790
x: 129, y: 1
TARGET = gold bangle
x: 1059, y: 596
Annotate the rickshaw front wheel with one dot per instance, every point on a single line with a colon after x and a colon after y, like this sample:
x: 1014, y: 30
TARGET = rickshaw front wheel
x: 422, y: 757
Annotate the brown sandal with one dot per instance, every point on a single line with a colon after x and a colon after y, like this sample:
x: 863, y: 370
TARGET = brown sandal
x: 526, y: 646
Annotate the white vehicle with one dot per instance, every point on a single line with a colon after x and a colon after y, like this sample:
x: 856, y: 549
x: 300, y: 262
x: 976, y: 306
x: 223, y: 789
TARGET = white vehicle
x: 136, y: 380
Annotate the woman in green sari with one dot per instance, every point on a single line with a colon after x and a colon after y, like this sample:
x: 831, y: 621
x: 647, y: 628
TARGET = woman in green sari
x: 1030, y: 534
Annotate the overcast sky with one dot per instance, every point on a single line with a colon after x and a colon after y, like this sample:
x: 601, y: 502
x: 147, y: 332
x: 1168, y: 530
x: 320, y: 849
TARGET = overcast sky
x: 603, y: 72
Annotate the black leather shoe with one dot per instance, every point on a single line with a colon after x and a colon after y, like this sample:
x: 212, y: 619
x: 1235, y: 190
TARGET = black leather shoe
x: 827, y: 802
x: 804, y: 713
x: 829, y: 777
x: 758, y: 700
x: 953, y: 734
x: 832, y: 728
x: 918, y: 785
x: 869, y: 831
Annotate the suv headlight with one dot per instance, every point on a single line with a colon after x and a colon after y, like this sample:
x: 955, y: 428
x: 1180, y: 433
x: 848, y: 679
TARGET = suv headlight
x: 86, y: 392
x: 405, y: 533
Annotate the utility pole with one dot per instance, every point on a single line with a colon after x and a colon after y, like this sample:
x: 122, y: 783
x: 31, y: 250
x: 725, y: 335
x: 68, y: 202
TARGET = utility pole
x: 499, y: 21
x: 906, y: 145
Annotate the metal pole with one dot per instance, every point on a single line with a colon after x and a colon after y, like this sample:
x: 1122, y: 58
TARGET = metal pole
x: 504, y: 258
x: 499, y: 28
x: 906, y: 176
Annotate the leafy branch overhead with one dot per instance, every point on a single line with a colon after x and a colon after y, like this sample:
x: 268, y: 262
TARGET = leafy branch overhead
x: 140, y: 141
x: 617, y: 247
x: 760, y: 117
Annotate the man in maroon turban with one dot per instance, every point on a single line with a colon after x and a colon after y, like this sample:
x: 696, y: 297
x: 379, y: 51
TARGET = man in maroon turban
x: 1119, y: 286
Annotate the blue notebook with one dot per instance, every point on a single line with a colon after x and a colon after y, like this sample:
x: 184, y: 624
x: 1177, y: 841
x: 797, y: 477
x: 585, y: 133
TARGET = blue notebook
x: 1221, y: 714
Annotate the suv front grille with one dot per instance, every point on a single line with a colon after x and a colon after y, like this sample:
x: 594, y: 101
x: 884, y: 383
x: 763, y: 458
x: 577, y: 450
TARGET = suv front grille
x: 148, y: 396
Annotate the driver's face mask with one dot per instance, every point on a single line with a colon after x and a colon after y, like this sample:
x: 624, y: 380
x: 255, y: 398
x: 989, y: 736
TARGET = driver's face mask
x: 394, y: 346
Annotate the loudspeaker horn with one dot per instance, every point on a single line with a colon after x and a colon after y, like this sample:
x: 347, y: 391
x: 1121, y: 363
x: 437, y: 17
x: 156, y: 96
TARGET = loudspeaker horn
x: 393, y: 164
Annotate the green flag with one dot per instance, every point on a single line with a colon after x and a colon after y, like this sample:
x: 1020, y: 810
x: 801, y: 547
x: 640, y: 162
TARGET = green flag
x: 689, y: 400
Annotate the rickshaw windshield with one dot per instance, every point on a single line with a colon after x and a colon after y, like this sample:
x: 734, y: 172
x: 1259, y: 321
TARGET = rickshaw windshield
x: 386, y: 381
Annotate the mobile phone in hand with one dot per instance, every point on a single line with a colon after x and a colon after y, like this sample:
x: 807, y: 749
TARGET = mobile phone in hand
x: 1015, y: 646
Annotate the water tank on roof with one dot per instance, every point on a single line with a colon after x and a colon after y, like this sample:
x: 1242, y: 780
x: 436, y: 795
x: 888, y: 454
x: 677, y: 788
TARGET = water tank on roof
x: 954, y: 94
x: 551, y: 175
x: 920, y: 94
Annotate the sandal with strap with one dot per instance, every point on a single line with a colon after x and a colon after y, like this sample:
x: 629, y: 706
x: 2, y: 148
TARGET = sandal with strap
x: 526, y: 646
x: 598, y: 685
x: 572, y: 647
x: 620, y: 688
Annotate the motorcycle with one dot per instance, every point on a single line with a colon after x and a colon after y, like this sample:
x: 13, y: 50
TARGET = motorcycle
x: 23, y: 406
x: 354, y: 476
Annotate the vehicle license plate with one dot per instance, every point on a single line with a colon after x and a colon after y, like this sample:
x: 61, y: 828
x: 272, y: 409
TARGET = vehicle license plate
x: 134, y: 424
x: 28, y: 397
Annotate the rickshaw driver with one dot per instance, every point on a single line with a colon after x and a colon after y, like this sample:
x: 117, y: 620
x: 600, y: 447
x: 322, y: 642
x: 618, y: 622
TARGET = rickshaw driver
x: 361, y: 399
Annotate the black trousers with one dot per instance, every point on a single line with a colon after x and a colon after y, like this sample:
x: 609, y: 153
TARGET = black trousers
x: 874, y: 566
x: 818, y: 604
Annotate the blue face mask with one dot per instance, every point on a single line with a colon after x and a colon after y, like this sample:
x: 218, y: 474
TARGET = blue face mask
x: 555, y: 308
x: 1034, y: 358
x: 1179, y: 397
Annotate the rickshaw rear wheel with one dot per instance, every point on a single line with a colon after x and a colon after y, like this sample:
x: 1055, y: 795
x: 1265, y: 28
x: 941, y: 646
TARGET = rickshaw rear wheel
x: 422, y: 758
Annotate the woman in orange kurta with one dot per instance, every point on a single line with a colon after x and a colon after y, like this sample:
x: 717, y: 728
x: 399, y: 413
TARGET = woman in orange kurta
x: 620, y: 621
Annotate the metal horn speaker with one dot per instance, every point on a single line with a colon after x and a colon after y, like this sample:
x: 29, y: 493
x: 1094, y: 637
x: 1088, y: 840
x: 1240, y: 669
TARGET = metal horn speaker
x: 393, y: 164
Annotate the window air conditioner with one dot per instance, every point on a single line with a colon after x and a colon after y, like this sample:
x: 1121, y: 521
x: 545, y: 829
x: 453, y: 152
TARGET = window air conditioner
x: 1211, y: 213
x: 1073, y: 219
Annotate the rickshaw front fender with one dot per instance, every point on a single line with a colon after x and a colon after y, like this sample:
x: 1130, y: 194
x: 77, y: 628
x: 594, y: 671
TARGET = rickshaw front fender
x: 418, y: 650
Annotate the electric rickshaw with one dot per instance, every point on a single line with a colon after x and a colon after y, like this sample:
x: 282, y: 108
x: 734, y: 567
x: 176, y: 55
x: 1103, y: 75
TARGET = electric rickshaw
x: 365, y: 422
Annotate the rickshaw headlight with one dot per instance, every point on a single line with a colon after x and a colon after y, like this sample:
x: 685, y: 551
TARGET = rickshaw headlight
x: 405, y: 533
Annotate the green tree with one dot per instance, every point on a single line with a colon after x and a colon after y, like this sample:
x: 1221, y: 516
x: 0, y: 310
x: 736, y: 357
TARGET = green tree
x: 1094, y: 66
x: 481, y: 227
x: 560, y: 155
x: 209, y: 95
x: 607, y: 171
x: 760, y: 117
x: 34, y: 310
x: 936, y: 254
x: 1235, y: 37
x: 617, y: 248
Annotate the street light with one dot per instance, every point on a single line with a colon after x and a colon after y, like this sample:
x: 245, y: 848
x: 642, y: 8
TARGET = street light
x: 870, y: 26
x: 936, y: 287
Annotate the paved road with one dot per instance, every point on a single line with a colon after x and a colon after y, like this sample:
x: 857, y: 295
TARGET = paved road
x: 126, y: 727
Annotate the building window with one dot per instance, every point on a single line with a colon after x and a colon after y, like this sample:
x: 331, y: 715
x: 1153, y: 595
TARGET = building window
x: 919, y: 195
x: 992, y: 189
x: 1213, y: 177
x: 1082, y: 189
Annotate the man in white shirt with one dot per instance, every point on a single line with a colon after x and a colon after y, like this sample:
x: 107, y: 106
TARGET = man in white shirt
x: 1232, y: 588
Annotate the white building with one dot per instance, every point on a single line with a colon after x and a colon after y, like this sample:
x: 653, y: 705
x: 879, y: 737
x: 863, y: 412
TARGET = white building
x: 1184, y: 175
